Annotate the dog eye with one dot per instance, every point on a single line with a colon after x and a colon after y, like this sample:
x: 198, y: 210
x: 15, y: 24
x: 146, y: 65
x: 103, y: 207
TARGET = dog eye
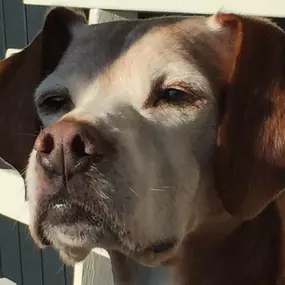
x: 53, y: 102
x: 173, y: 95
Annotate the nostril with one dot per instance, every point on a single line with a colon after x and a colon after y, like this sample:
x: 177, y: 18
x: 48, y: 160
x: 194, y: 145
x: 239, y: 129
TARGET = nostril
x: 82, y: 146
x: 44, y: 143
x: 78, y: 146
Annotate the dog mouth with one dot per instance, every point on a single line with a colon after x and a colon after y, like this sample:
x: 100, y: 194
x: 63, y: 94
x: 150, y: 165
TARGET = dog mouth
x: 161, y: 247
x: 73, y: 229
x: 71, y: 213
x: 68, y: 219
x: 156, y: 254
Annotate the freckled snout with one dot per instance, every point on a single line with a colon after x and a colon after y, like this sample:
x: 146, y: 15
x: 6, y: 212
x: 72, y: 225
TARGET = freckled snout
x: 67, y: 206
x: 65, y: 148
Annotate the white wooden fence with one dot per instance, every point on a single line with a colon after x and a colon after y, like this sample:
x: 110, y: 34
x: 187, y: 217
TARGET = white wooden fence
x: 14, y: 206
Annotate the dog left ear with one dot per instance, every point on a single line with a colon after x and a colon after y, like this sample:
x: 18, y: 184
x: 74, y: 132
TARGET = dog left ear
x: 250, y: 157
x: 20, y: 75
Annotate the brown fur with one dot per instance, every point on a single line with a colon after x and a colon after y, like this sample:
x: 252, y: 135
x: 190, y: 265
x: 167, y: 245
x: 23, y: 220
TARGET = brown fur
x: 249, y: 166
x: 248, y: 256
x: 19, y: 123
x: 249, y: 163
x: 19, y: 77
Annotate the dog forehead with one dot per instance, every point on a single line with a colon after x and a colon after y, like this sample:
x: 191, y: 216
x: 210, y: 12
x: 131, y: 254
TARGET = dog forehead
x: 95, y: 47
x: 148, y: 47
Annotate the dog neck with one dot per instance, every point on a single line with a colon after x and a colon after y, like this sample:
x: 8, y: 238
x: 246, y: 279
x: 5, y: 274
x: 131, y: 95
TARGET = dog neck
x: 223, y: 250
x: 248, y: 254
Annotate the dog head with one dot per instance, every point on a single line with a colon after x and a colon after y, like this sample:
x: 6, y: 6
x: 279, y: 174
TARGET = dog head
x: 152, y: 129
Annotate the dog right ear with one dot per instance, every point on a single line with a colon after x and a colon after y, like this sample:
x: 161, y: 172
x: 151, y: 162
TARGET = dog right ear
x: 57, y: 34
x: 20, y: 75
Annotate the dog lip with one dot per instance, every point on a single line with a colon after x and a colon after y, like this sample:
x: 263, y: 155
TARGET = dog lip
x: 66, y: 216
x: 161, y: 247
x: 60, y: 213
x: 56, y: 206
x: 39, y: 235
x: 69, y: 213
x: 60, y: 222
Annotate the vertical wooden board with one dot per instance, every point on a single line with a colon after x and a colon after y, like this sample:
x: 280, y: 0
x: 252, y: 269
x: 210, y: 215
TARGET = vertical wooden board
x: 97, y: 270
x: 1, y: 275
x: 31, y: 258
x: 69, y: 275
x: 280, y: 22
x: 34, y: 17
x: 10, y: 250
x: 14, y: 23
x: 2, y: 32
x: 53, y: 268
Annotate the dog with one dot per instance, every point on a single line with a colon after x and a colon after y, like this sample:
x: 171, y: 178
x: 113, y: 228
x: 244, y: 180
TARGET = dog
x: 160, y: 140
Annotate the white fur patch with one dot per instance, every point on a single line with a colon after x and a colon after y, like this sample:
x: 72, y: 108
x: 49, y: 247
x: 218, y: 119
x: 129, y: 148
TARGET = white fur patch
x: 213, y: 24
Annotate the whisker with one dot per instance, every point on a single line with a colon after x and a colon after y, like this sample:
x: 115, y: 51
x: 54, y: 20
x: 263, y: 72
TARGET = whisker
x: 104, y: 195
x: 60, y: 269
x: 27, y: 134
x: 133, y: 191
x: 24, y: 171
x: 157, y: 190
x: 162, y: 189
x: 77, y: 164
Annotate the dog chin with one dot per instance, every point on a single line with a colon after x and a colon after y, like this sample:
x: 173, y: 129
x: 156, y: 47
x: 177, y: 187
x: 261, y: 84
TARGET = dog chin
x: 73, y: 255
x: 74, y: 233
x: 152, y: 258
x: 75, y: 236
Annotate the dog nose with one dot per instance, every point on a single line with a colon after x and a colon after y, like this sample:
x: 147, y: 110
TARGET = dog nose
x: 67, y: 147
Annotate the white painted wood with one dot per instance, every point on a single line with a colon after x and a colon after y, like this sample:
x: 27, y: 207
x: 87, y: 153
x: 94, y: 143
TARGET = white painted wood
x: 5, y: 281
x: 11, y: 51
x: 271, y: 8
x: 100, y: 16
x: 96, y: 270
x: 12, y: 193
x: 77, y: 274
x: 14, y: 206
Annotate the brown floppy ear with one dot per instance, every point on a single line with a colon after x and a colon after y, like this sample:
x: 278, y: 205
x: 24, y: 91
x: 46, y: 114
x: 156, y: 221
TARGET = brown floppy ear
x: 20, y: 75
x: 250, y: 156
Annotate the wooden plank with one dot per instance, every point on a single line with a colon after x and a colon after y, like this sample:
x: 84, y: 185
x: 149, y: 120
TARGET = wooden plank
x: 280, y: 22
x: 2, y: 32
x: 101, y: 16
x: 12, y: 202
x: 11, y: 51
x: 53, y: 268
x: 10, y: 250
x: 34, y: 18
x: 31, y: 258
x: 68, y: 271
x: 1, y: 275
x: 271, y: 8
x: 97, y: 270
x: 14, y: 23
x: 5, y: 281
